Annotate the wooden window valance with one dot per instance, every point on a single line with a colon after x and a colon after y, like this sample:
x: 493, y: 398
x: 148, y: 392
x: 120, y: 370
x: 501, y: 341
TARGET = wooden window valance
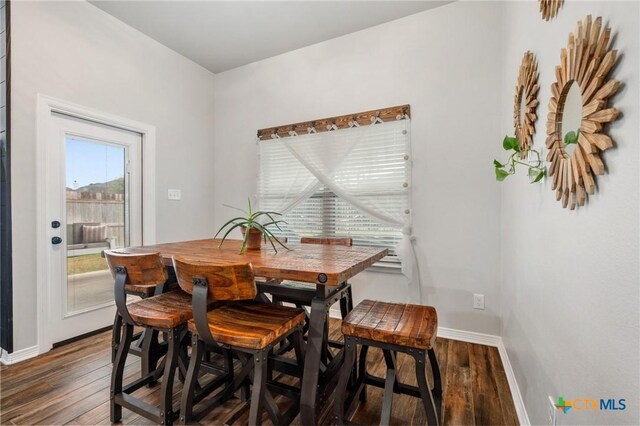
x: 341, y: 122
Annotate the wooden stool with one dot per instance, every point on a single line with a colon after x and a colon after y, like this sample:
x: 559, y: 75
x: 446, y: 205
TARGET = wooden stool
x: 167, y: 313
x: 393, y: 328
x: 247, y: 327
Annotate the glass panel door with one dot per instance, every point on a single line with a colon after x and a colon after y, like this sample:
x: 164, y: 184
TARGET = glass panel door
x: 94, y: 203
x: 97, y: 218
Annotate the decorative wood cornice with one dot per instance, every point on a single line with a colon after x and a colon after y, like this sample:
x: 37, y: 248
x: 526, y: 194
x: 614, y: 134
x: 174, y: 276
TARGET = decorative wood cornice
x: 340, y: 122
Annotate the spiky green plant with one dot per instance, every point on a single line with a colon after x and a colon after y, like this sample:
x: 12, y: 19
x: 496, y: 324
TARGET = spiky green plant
x: 251, y: 221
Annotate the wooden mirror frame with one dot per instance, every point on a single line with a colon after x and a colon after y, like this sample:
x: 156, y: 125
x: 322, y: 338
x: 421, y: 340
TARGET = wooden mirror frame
x: 586, y: 60
x: 549, y: 8
x: 527, y: 86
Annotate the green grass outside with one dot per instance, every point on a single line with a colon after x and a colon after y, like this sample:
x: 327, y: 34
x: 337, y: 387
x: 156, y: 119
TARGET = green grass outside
x: 86, y: 263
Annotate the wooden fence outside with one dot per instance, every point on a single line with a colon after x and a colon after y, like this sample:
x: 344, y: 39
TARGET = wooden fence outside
x: 96, y: 207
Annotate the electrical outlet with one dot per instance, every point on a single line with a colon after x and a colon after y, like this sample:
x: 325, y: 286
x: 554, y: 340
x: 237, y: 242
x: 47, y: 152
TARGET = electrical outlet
x: 552, y: 413
x: 174, y: 194
x: 478, y: 301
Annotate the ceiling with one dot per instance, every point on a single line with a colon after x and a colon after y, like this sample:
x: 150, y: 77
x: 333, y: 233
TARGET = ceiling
x: 221, y: 35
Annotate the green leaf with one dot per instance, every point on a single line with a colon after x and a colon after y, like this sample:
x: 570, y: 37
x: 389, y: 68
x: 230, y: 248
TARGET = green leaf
x: 245, y: 240
x: 273, y: 221
x: 235, y: 221
x: 257, y: 214
x: 235, y: 208
x: 501, y: 175
x: 497, y: 164
x: 571, y: 137
x: 509, y: 143
x: 276, y: 223
x: 228, y: 232
x: 539, y: 177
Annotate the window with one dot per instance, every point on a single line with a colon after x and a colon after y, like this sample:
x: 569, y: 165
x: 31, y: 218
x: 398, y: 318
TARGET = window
x: 369, y: 166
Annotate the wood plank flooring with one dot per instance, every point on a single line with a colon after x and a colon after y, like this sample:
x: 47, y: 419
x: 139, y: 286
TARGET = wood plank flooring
x: 70, y: 385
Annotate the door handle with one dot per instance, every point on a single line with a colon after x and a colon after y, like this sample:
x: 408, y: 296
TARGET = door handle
x: 56, y: 240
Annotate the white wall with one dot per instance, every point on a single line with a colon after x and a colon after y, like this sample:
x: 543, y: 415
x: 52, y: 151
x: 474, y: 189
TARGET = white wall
x: 445, y: 64
x: 561, y: 287
x: 76, y: 52
x: 570, y: 279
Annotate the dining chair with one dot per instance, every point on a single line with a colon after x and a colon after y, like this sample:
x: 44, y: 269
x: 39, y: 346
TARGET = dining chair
x: 148, y: 347
x: 248, y: 327
x: 166, y: 313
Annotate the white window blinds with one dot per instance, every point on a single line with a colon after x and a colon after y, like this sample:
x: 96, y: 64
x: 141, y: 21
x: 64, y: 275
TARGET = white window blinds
x: 344, y: 183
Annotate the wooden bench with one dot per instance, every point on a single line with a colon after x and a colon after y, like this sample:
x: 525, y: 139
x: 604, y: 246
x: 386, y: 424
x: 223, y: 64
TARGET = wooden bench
x: 392, y: 327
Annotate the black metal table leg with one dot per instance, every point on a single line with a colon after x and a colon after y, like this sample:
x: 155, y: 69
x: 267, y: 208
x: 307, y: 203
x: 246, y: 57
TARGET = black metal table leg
x: 345, y: 373
x: 313, y: 356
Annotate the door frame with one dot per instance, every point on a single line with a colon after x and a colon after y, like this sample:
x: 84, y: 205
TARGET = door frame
x: 46, y: 106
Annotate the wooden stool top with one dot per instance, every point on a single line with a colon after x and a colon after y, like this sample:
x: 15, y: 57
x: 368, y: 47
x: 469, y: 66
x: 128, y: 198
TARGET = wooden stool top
x: 414, y: 326
x: 250, y: 324
x: 167, y: 310
x: 346, y: 241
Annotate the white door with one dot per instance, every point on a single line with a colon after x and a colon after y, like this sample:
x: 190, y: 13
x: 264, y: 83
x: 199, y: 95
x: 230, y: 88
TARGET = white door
x: 94, y: 203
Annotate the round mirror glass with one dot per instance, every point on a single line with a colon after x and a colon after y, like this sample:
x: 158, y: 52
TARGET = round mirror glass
x: 523, y: 108
x: 571, y: 117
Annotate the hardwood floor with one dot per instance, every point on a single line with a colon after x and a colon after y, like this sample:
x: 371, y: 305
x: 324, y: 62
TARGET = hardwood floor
x: 70, y: 385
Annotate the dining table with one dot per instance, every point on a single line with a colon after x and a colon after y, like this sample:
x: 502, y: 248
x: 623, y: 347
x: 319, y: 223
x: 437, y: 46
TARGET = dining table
x: 326, y: 269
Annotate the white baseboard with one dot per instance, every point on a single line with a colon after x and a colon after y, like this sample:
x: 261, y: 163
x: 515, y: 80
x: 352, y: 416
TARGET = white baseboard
x: 17, y: 356
x: 488, y: 340
x: 469, y: 336
x: 496, y: 341
x: 523, y: 417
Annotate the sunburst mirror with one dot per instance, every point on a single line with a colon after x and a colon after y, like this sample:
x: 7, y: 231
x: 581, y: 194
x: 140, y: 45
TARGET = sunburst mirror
x: 526, y: 102
x: 578, y: 112
x: 549, y: 8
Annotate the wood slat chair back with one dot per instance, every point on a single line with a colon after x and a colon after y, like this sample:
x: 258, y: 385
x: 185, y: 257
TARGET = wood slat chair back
x: 226, y: 281
x: 283, y: 240
x: 143, y: 270
x: 346, y: 241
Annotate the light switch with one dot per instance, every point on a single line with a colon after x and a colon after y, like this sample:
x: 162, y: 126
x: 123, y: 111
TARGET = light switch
x: 174, y: 194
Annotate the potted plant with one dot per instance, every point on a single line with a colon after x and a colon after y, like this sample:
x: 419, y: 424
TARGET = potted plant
x: 253, y: 230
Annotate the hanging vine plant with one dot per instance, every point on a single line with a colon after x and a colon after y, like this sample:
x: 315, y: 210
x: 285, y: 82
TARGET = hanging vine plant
x: 532, y: 161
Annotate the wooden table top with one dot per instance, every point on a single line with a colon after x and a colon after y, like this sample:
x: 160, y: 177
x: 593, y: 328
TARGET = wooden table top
x: 313, y: 263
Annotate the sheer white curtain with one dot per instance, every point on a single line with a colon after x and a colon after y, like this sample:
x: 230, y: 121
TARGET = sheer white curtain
x: 368, y: 167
